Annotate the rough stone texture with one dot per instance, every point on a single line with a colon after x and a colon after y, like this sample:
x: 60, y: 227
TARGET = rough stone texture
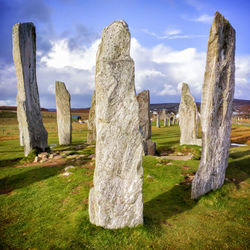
x: 216, y: 107
x: 21, y: 140
x: 115, y: 201
x: 143, y: 99
x: 28, y: 104
x: 151, y: 147
x: 158, y: 120
x: 91, y: 136
x: 188, y: 118
x: 63, y: 114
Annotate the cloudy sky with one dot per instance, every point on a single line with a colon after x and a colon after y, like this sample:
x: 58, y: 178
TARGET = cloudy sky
x: 168, y: 45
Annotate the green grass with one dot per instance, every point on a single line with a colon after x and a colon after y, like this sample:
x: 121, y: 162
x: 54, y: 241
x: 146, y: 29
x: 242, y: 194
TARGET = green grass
x: 42, y: 209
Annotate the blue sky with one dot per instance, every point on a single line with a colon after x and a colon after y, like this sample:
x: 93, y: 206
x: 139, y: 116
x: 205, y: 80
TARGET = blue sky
x: 168, y: 45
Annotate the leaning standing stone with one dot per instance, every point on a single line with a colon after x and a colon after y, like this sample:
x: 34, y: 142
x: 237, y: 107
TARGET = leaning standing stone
x: 143, y: 99
x: 115, y: 201
x: 216, y: 107
x: 91, y: 136
x: 188, y: 118
x: 28, y: 104
x: 63, y: 114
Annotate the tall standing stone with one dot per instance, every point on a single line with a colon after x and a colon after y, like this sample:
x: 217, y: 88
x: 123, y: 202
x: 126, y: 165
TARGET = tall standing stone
x: 91, y: 136
x: 28, y: 104
x: 143, y: 99
x: 63, y: 114
x: 216, y: 107
x: 158, y: 120
x: 188, y: 118
x: 115, y: 201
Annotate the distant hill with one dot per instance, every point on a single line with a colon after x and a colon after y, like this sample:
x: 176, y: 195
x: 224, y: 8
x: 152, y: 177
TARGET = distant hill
x: 170, y: 107
x: 173, y: 107
x: 13, y: 108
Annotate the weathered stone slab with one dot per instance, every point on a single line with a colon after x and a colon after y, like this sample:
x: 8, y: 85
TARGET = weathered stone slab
x: 63, y: 114
x: 143, y: 99
x: 91, y: 136
x: 28, y: 105
x: 115, y: 201
x: 216, y: 107
x: 158, y: 120
x: 188, y: 118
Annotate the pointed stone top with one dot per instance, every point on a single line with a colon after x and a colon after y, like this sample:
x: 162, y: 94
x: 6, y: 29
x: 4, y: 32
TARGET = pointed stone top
x: 185, y: 87
x: 60, y: 86
x: 219, y: 19
x: 115, y: 42
x: 26, y: 25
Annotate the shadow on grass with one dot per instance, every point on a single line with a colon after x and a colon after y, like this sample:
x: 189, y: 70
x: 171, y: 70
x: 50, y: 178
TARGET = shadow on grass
x: 240, y: 154
x: 26, y: 178
x: 9, y: 163
x: 238, y: 170
x: 175, y: 201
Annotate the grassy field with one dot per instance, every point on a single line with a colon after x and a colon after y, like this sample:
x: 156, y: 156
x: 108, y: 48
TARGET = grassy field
x: 41, y: 208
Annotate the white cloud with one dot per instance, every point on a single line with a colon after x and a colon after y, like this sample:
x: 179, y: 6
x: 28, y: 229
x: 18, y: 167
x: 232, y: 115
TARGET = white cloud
x: 61, y: 56
x: 203, y: 19
x: 159, y: 69
x: 172, y: 34
x: 162, y: 69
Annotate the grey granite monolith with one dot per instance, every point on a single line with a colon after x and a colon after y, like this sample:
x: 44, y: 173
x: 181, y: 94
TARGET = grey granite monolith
x: 115, y: 201
x: 158, y: 120
x: 188, y: 118
x: 91, y: 136
x: 143, y: 99
x: 63, y: 114
x: 28, y: 104
x: 216, y: 107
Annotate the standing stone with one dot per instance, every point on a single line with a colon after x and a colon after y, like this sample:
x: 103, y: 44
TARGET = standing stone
x: 216, y: 107
x: 164, y: 116
x: 28, y: 104
x: 115, y: 201
x: 91, y: 136
x: 158, y: 121
x: 143, y: 99
x: 188, y: 118
x: 63, y: 114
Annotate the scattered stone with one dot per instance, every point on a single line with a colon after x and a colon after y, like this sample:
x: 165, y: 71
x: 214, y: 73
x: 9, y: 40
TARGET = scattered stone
x: 216, y: 107
x: 63, y: 114
x: 36, y: 159
x: 31, y: 129
x: 115, y: 201
x: 66, y: 173
x: 72, y: 156
x: 79, y: 146
x: 92, y: 156
x: 188, y: 118
x: 58, y: 157
x: 150, y: 176
x: 69, y: 167
x: 91, y: 136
